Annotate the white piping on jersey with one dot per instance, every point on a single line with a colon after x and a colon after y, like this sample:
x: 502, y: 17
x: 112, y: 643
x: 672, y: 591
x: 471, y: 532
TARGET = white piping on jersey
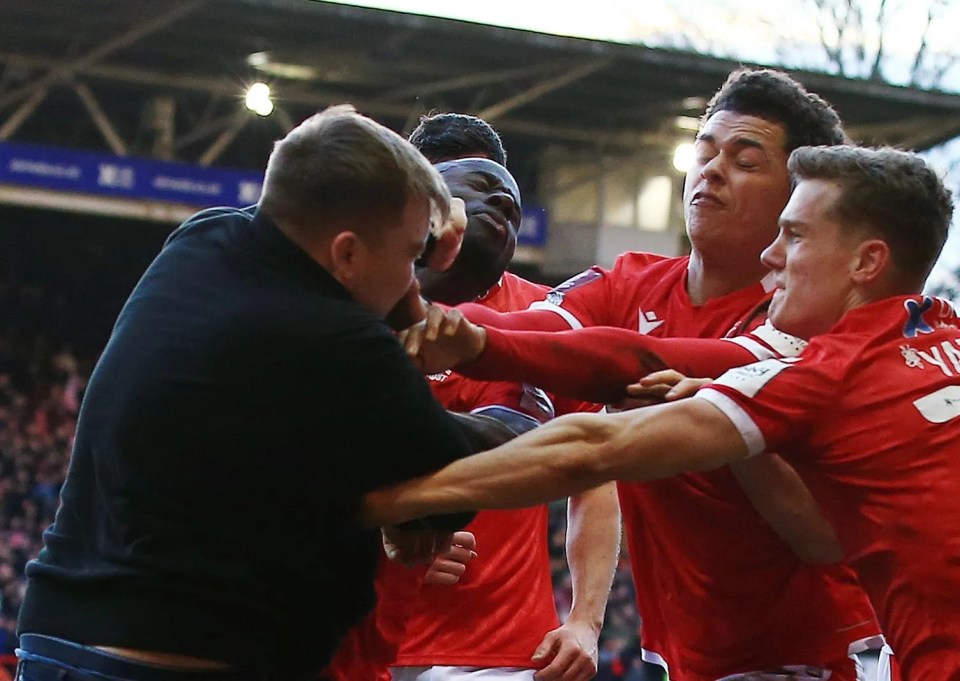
x: 768, y: 342
x: 862, y: 645
x: 755, y: 348
x: 748, y: 430
x: 654, y: 658
x: 490, y: 291
x: 783, y: 343
x: 567, y: 317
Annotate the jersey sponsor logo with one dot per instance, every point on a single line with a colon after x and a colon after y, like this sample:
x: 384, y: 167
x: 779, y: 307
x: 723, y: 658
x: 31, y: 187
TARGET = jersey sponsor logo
x: 750, y: 379
x: 918, y: 319
x: 940, y: 406
x: 557, y: 294
x: 945, y: 356
x: 648, y: 321
x: 441, y: 377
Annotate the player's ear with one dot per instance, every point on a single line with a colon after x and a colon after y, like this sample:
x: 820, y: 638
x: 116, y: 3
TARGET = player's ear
x: 870, y: 260
x: 346, y: 256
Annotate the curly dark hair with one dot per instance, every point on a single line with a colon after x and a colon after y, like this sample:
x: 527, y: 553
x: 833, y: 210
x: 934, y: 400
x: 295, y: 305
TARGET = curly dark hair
x: 449, y: 136
x: 773, y: 95
x: 888, y: 192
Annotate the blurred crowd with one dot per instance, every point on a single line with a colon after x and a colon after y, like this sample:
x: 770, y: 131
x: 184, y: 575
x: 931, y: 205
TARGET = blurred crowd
x: 41, y: 384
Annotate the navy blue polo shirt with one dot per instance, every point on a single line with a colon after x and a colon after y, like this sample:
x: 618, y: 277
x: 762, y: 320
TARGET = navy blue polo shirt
x: 242, y: 407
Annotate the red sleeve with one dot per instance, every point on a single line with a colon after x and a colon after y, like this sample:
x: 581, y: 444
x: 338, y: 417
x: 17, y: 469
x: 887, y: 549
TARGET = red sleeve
x: 772, y: 403
x: 525, y: 320
x: 596, y: 364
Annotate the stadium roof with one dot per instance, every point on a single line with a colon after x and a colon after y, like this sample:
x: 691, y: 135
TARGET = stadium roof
x: 167, y: 79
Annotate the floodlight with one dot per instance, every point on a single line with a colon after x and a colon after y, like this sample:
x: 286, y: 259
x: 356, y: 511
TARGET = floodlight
x: 258, y: 99
x: 683, y: 156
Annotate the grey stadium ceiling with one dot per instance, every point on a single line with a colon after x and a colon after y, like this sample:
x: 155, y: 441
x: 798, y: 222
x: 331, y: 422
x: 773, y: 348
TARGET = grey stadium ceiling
x: 165, y: 78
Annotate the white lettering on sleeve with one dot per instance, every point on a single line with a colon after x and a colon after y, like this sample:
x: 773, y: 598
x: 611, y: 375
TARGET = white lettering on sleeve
x: 951, y: 353
x: 935, y: 358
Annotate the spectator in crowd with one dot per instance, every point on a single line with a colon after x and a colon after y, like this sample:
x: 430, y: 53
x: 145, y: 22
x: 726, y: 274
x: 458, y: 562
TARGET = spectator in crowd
x: 39, y: 396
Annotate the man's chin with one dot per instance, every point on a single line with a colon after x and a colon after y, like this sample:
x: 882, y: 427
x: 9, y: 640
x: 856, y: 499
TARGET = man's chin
x: 775, y: 312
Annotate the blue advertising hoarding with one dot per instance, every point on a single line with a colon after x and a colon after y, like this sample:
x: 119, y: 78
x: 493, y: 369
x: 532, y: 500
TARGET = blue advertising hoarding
x: 146, y: 179
x: 126, y: 177
x: 533, y: 228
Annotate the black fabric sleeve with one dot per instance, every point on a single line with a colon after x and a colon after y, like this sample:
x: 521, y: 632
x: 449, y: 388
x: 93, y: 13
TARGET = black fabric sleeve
x: 383, y: 423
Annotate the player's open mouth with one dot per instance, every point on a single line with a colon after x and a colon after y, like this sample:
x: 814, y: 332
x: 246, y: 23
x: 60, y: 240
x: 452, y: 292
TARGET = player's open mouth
x: 706, y: 199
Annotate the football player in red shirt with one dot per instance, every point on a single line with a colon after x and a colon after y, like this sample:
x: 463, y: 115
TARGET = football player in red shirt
x: 502, y: 612
x: 453, y: 631
x: 869, y: 413
x: 718, y: 590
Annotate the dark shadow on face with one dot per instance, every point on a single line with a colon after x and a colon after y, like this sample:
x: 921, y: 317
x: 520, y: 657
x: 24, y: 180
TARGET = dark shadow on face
x: 492, y: 201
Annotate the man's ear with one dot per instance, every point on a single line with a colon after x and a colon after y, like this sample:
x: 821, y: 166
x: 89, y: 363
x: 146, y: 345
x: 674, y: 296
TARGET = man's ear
x: 346, y: 253
x: 871, y: 260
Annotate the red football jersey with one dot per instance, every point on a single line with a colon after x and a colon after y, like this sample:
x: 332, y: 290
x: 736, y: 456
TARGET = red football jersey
x: 870, y: 416
x: 513, y: 293
x: 503, y: 605
x: 422, y: 622
x: 718, y: 591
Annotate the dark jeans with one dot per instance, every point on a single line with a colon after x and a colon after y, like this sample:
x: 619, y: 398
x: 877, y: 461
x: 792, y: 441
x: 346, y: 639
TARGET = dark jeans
x: 44, y: 658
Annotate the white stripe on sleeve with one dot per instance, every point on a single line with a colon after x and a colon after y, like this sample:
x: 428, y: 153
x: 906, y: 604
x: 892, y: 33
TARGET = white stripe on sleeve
x: 758, y: 350
x: 567, y: 317
x: 741, y: 420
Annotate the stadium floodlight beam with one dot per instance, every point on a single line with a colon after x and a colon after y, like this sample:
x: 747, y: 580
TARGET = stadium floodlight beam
x: 258, y: 99
x: 683, y: 156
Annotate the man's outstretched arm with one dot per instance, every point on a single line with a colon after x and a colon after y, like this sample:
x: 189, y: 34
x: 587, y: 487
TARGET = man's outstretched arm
x: 483, y: 431
x: 594, y: 364
x: 567, y: 456
x: 598, y: 363
x: 521, y: 320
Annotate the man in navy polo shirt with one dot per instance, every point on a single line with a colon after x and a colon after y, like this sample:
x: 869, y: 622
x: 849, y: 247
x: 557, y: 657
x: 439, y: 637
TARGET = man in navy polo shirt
x: 250, y: 395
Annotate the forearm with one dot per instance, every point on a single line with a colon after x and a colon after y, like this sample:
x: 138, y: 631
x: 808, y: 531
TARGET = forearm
x: 496, y: 479
x: 784, y: 501
x: 593, y: 549
x: 538, y: 320
x: 482, y: 432
x: 597, y: 363
x: 567, y: 456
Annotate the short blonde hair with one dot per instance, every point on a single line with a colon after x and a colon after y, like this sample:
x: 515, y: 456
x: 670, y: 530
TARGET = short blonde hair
x: 340, y: 165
